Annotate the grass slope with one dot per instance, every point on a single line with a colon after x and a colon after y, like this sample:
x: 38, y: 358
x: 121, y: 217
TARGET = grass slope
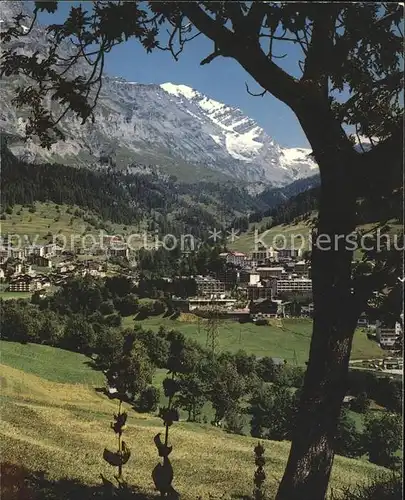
x: 50, y: 363
x: 295, y: 234
x: 51, y: 220
x: 62, y: 429
x: 290, y: 342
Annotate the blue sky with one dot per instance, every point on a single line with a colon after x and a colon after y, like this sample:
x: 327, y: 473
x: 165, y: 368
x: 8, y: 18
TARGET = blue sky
x: 223, y: 79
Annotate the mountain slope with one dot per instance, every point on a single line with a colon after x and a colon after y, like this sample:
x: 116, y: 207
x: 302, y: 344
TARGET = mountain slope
x: 171, y: 126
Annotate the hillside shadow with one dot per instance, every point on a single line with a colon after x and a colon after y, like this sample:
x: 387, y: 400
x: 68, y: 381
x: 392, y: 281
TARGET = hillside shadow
x: 18, y: 483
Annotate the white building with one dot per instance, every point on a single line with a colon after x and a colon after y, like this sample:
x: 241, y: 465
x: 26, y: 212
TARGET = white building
x: 388, y: 337
x: 235, y: 258
x: 207, y: 285
x: 38, y: 250
x: 298, y: 285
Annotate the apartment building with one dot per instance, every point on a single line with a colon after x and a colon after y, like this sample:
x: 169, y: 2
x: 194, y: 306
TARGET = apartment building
x: 289, y: 253
x: 270, y: 272
x: 234, y: 258
x: 25, y: 284
x: 258, y: 291
x: 209, y: 286
x: 297, y: 285
x: 301, y: 268
x: 122, y: 252
x: 38, y: 250
x: 388, y: 337
x: 263, y: 254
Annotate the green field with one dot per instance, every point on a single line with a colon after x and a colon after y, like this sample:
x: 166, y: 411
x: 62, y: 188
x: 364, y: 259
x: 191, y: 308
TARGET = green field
x: 15, y: 295
x: 274, y: 236
x: 41, y: 360
x: 52, y: 423
x: 290, y: 342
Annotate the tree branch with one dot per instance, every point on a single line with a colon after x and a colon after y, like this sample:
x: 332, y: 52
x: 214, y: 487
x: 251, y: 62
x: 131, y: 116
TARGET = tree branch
x: 260, y: 94
x: 211, y: 57
x: 247, y: 52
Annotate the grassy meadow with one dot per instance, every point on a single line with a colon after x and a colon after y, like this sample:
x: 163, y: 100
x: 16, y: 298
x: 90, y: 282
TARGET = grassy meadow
x: 296, y: 235
x: 51, y: 220
x: 15, y: 295
x: 54, y: 420
x: 290, y: 342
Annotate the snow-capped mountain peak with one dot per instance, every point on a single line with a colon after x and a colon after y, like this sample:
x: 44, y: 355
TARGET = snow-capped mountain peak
x: 241, y: 137
x: 179, y: 90
x: 172, y: 126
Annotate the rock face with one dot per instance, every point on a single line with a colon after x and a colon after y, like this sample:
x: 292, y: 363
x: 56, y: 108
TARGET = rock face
x: 164, y: 125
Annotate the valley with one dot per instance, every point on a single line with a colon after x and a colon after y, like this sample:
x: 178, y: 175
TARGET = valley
x: 171, y: 324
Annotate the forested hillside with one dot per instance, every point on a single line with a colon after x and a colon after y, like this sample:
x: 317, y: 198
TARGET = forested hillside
x: 301, y: 206
x: 126, y: 198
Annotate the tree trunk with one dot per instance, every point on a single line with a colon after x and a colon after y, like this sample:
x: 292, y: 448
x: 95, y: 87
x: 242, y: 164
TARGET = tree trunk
x: 312, y: 451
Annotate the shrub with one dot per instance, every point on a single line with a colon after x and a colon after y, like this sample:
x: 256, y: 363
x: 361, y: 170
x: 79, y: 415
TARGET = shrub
x: 380, y: 488
x: 148, y: 400
x: 234, y: 422
x: 113, y: 320
x: 382, y: 438
x: 348, y: 439
x: 361, y: 403
x: 107, y: 307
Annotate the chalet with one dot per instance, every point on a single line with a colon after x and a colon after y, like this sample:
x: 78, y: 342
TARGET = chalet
x: 16, y: 253
x: 284, y: 308
x: 38, y: 250
x: 347, y: 400
x: 362, y: 321
x: 266, y: 308
x: 308, y: 310
x: 51, y: 249
x: 40, y: 261
x: 119, y: 251
x: 181, y: 304
x: 4, y: 254
x: 238, y: 314
x: 25, y: 283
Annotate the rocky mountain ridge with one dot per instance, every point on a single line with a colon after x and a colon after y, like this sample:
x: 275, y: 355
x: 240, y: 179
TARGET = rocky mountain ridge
x: 173, y: 127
